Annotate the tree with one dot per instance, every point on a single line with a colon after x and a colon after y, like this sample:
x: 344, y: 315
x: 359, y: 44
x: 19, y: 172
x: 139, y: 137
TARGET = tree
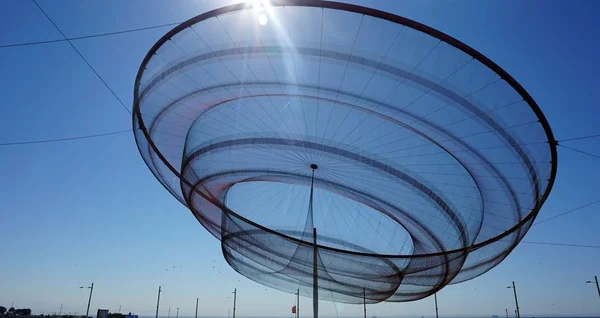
x: 23, y: 312
x: 11, y: 311
x: 2, y: 310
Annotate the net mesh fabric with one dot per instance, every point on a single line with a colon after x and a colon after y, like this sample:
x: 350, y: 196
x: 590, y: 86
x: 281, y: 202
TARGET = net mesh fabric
x: 428, y: 166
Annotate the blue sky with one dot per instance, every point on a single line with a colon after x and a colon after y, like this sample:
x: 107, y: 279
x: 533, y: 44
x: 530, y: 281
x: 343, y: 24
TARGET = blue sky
x: 90, y: 211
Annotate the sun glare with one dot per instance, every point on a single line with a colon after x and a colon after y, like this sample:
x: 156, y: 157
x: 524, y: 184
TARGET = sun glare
x: 262, y: 19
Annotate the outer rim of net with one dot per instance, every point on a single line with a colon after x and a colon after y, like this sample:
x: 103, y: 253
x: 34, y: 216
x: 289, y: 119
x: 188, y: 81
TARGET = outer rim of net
x: 136, y: 114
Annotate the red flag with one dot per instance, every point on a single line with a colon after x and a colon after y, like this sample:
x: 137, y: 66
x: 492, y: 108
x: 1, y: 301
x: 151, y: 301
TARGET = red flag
x: 293, y: 309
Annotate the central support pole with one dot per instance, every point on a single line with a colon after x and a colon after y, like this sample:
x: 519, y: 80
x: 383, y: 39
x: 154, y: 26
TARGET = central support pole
x: 315, y: 250
x: 298, y: 303
x: 315, y: 274
x: 365, y: 301
x: 436, y: 307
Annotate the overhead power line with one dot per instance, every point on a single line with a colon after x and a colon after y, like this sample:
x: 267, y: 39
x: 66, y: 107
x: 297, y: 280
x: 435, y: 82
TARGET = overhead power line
x: 16, y: 143
x: 90, y: 36
x: 80, y: 55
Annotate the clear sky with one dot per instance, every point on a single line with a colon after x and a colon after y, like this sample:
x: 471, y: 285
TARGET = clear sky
x: 88, y: 211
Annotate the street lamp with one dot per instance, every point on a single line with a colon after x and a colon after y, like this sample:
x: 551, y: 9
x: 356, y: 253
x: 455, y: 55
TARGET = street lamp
x: 514, y: 288
x: 89, y: 299
x: 158, y: 300
x: 597, y: 286
x: 234, y: 299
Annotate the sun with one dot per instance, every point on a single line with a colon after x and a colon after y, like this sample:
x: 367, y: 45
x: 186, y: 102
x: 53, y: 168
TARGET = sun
x: 262, y: 19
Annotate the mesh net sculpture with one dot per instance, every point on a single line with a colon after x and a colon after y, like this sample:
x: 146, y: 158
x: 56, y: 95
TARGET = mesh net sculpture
x: 343, y: 148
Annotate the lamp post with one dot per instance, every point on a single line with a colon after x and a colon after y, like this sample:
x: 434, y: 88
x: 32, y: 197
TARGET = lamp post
x: 234, y: 299
x: 158, y: 301
x: 514, y: 288
x: 597, y: 286
x: 87, y: 313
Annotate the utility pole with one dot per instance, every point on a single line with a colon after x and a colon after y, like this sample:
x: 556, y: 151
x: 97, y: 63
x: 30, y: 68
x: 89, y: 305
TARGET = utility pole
x: 177, y: 315
x: 234, y: 299
x: 298, y: 303
x: 436, y: 306
x: 169, y: 312
x: 158, y: 301
x: 196, y: 316
x: 506, y: 309
x: 119, y: 308
x: 60, y: 312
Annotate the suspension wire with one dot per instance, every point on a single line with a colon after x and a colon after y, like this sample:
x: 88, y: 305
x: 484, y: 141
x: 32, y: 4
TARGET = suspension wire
x: 567, y: 212
x: 17, y: 143
x: 561, y: 244
x: 80, y: 55
x: 579, y: 138
x: 89, y: 36
x: 560, y: 215
x: 580, y: 151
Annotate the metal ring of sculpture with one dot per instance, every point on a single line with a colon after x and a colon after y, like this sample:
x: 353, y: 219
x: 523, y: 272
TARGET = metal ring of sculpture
x: 419, y: 161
